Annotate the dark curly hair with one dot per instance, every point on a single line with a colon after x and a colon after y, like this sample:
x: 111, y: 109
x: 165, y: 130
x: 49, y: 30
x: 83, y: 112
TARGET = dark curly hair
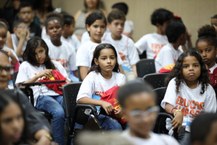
x: 96, y: 55
x: 53, y: 16
x: 177, y: 70
x: 161, y: 15
x: 29, y: 53
x: 207, y: 33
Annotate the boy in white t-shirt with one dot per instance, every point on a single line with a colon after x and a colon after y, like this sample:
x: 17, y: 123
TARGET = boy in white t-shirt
x: 139, y: 107
x: 95, y: 25
x: 20, y: 37
x: 153, y: 42
x: 128, y: 25
x: 123, y: 44
x: 58, y: 49
x: 68, y: 29
x: 176, y: 34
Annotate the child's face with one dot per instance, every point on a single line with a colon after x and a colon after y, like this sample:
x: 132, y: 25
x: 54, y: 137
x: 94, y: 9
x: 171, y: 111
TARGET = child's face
x: 40, y: 55
x: 214, y: 23
x: 96, y: 30
x: 3, y: 37
x: 191, y: 69
x: 106, y: 61
x: 68, y: 30
x: 140, y: 120
x: 211, y: 138
x: 91, y: 4
x: 26, y: 14
x: 116, y: 27
x: 208, y: 53
x: 20, y: 28
x: 54, y: 30
x: 4, y: 71
x: 12, y: 123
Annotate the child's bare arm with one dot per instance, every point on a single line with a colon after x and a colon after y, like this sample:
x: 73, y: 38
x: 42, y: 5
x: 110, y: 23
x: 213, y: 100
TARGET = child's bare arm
x: 169, y: 108
x: 134, y: 70
x: 178, y: 116
x: 12, y: 56
x: 83, y: 70
x: 22, y: 35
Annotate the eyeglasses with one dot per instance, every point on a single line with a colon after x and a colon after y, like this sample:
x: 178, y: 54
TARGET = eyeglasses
x: 8, y: 69
x: 140, y: 113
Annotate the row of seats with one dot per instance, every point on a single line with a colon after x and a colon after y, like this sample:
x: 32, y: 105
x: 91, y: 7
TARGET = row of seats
x: 87, y: 114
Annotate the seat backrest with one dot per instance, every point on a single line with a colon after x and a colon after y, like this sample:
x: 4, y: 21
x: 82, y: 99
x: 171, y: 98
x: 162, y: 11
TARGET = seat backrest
x: 160, y: 92
x: 70, y: 92
x: 156, y: 80
x: 145, y: 66
x: 160, y: 125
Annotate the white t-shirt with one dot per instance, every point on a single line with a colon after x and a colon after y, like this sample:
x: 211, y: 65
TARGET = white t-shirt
x: 126, y: 49
x: 152, y: 43
x: 85, y: 52
x: 95, y: 83
x: 15, y: 42
x: 128, y: 26
x: 64, y: 53
x: 190, y: 101
x: 28, y: 71
x: 155, y: 139
x: 72, y: 41
x: 167, y: 55
x: 75, y: 42
x: 85, y: 37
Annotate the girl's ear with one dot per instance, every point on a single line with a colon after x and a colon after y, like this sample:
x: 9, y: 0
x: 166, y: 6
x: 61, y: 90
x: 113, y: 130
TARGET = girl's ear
x: 88, y: 28
x: 96, y: 61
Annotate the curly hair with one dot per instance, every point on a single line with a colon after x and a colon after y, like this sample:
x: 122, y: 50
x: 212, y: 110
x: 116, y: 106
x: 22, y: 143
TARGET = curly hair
x: 177, y: 70
x: 207, y: 33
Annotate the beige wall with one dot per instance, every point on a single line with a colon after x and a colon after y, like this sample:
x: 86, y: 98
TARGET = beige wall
x: 194, y: 13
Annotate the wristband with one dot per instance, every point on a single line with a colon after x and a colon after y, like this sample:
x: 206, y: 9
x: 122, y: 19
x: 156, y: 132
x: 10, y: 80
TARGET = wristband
x: 172, y: 110
x: 177, y: 110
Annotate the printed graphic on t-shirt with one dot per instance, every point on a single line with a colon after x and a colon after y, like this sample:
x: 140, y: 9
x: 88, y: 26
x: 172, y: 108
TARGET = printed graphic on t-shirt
x: 122, y: 55
x: 156, y: 48
x: 189, y: 107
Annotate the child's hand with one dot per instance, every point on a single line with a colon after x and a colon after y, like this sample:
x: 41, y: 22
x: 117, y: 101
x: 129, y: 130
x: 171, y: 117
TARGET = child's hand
x: 118, y: 113
x: 45, y: 73
x: 177, y: 120
x: 107, y: 107
x: 12, y: 56
x: 22, y: 35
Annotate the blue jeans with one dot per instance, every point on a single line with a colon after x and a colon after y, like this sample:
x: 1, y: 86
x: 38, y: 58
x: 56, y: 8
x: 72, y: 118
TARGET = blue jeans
x: 106, y: 122
x: 53, y: 105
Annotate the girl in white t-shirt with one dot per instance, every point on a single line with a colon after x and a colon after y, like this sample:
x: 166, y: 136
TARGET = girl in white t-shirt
x: 188, y: 92
x: 104, y: 77
x: 36, y: 66
x: 207, y: 46
x: 96, y: 26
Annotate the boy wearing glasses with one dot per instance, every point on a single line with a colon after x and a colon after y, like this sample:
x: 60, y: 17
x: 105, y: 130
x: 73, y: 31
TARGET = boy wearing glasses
x: 139, y: 108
